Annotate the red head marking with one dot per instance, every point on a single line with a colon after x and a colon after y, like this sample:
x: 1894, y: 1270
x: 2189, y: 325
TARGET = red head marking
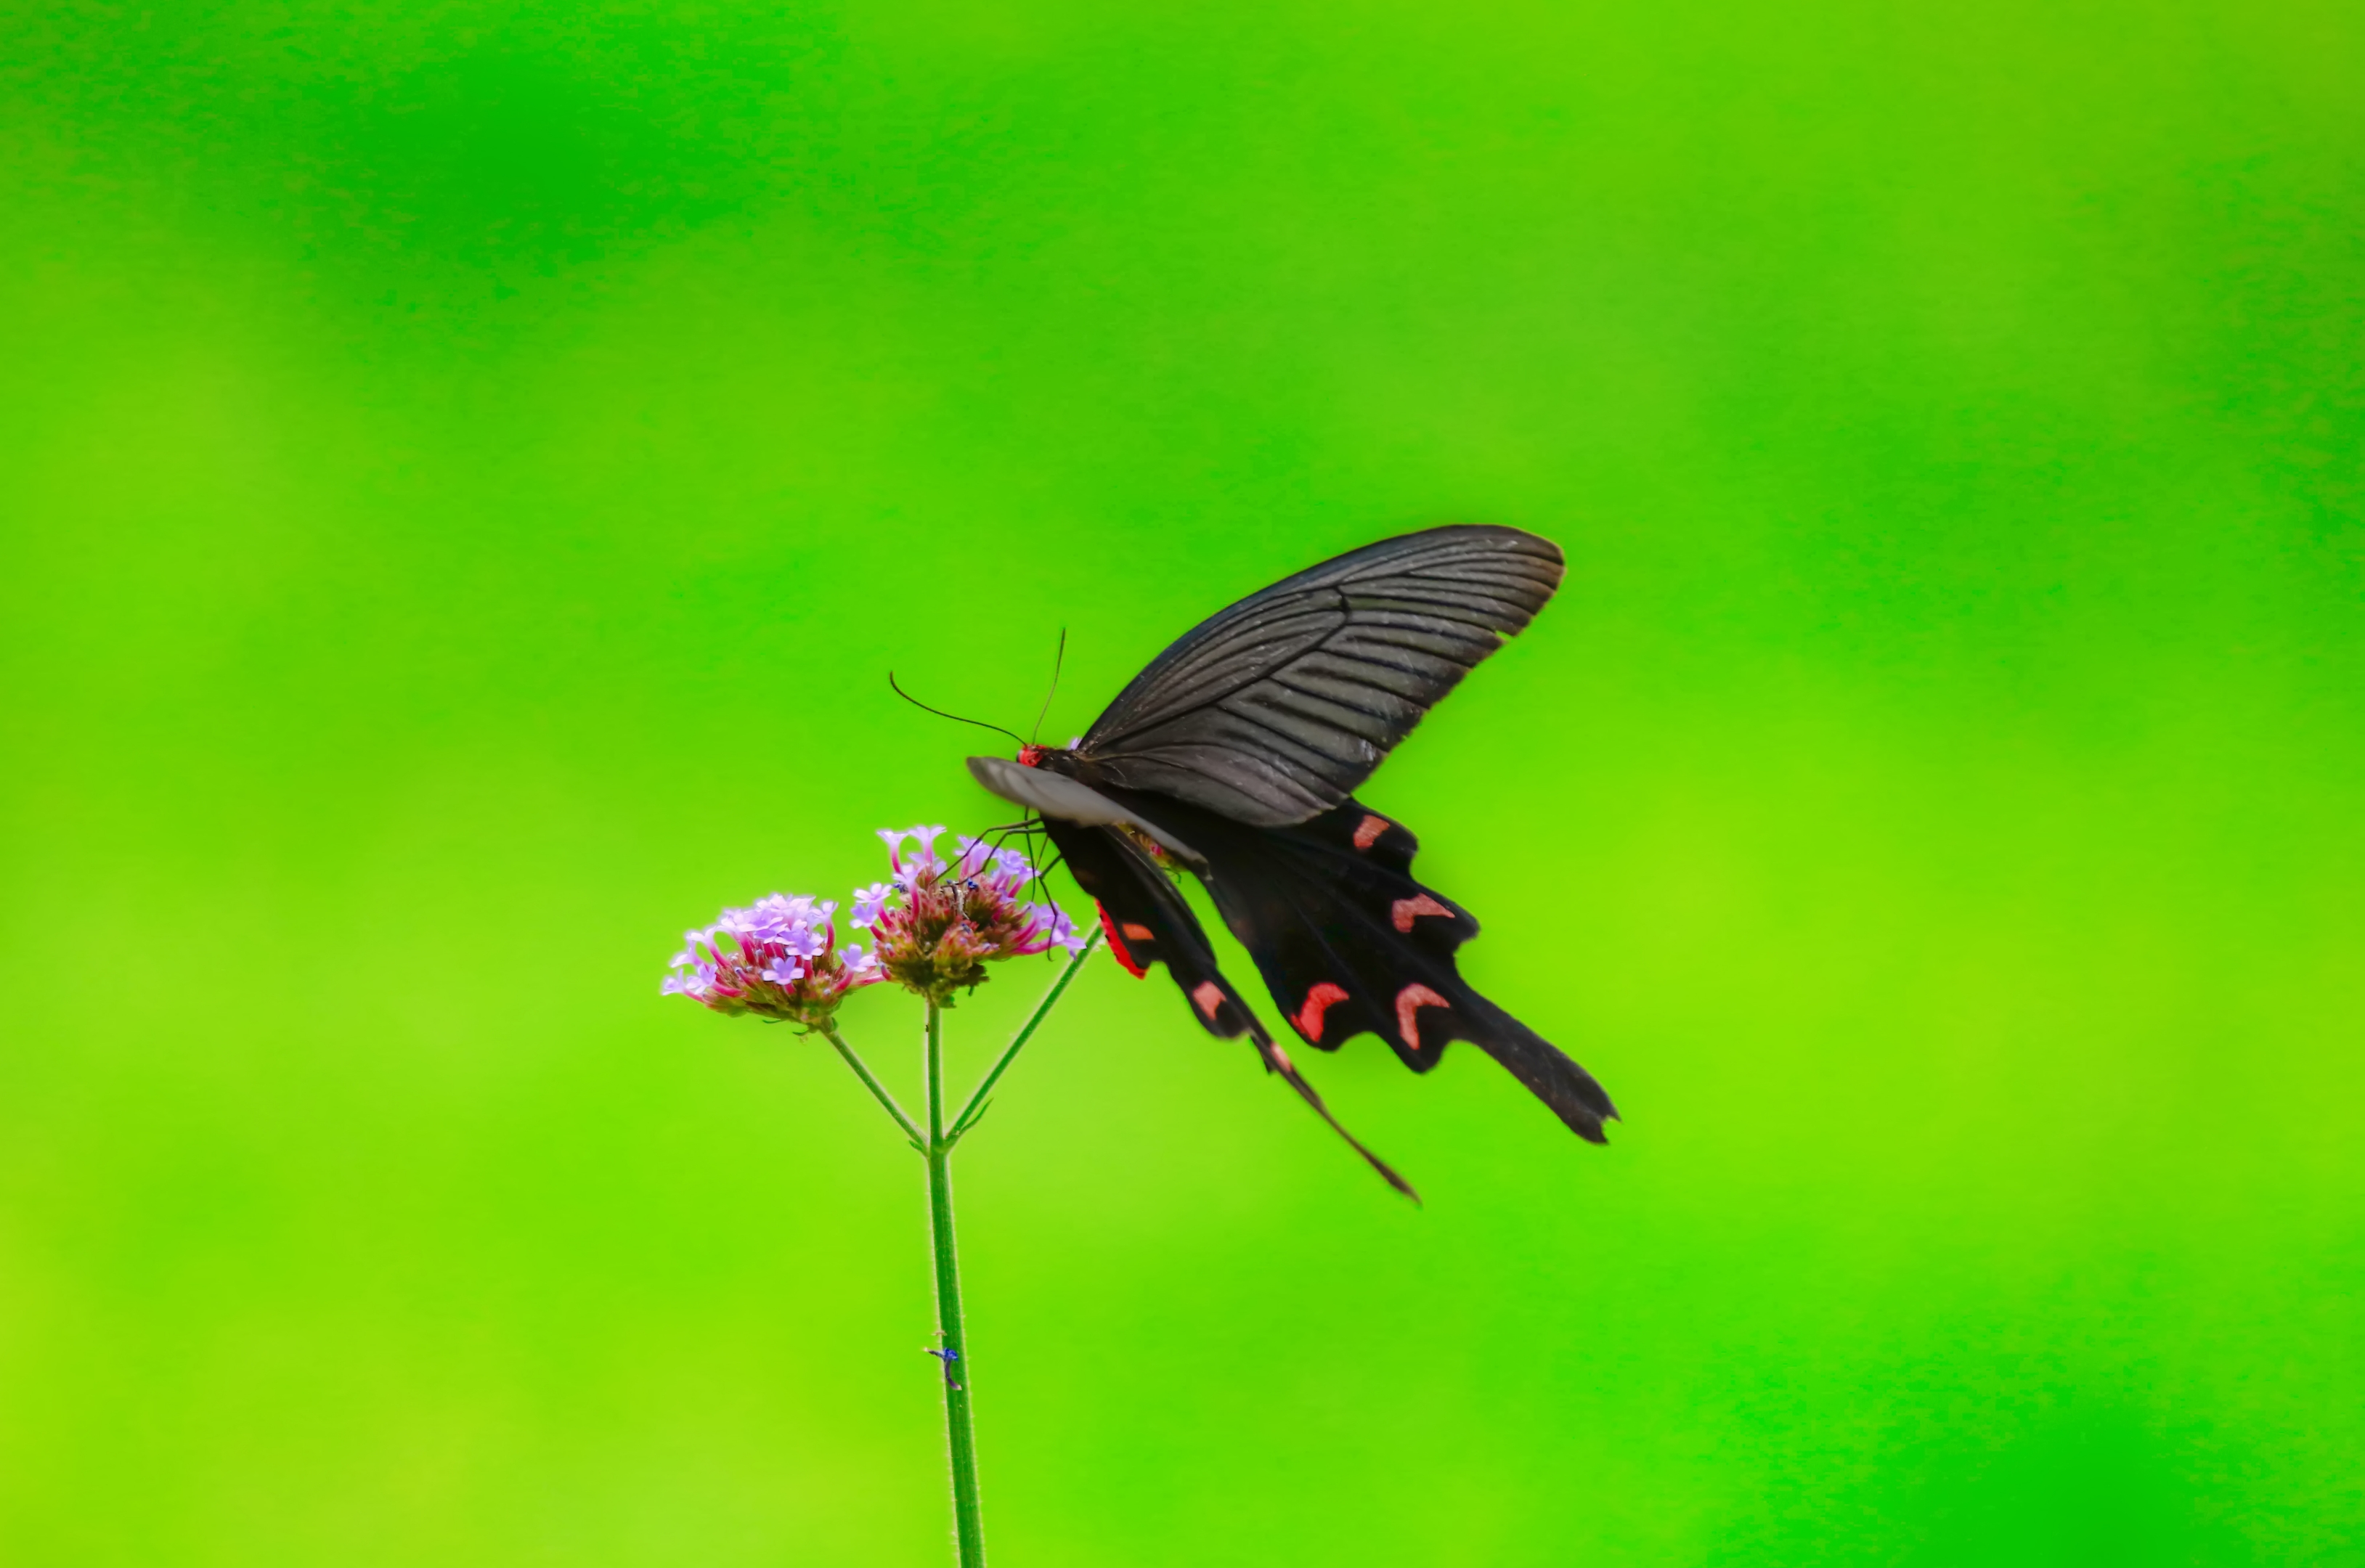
x: 1318, y: 1001
x: 1030, y: 756
x: 1409, y: 1002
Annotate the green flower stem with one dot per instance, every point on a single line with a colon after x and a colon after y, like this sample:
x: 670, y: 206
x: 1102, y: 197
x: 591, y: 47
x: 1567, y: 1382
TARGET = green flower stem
x: 936, y: 1145
x: 976, y: 1106
x: 870, y: 1082
x: 969, y: 1529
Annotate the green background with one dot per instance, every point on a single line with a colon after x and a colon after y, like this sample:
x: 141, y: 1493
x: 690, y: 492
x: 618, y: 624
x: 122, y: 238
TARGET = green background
x: 466, y: 471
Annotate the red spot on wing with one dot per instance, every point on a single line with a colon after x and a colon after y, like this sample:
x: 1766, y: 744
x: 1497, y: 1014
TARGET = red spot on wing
x: 1116, y: 944
x: 1209, y: 997
x: 1404, y: 912
x: 1409, y: 1002
x: 1318, y: 1001
x: 1368, y: 831
x: 1139, y: 933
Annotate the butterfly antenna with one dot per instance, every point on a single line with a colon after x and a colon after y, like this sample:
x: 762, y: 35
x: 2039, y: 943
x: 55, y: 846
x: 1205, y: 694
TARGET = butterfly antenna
x: 1058, y: 659
x: 941, y: 714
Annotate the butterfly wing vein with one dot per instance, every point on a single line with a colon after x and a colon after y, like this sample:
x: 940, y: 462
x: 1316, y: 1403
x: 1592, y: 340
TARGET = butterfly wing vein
x: 1276, y: 708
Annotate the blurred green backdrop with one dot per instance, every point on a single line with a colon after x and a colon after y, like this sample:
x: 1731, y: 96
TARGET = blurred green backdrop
x: 467, y: 470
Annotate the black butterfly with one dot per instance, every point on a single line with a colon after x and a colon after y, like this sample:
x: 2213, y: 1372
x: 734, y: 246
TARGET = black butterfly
x: 1235, y: 755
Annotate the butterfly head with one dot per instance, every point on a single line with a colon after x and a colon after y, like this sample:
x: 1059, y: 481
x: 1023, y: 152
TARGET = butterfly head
x: 1050, y: 757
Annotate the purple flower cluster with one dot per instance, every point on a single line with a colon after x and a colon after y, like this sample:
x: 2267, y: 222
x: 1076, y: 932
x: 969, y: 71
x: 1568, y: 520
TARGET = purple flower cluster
x: 937, y: 926
x: 779, y: 959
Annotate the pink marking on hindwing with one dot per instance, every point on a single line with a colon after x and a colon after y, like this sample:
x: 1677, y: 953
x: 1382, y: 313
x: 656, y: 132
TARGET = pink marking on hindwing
x: 1410, y: 1001
x: 1139, y: 933
x: 1368, y: 831
x: 1404, y: 912
x: 1318, y: 1001
x: 1207, y: 997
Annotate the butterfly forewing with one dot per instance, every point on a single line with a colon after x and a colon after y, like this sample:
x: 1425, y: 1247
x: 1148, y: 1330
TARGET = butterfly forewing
x: 1274, y: 709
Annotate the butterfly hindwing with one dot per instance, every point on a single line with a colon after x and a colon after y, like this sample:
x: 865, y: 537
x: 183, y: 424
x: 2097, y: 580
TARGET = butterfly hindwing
x: 1147, y: 923
x: 1348, y: 943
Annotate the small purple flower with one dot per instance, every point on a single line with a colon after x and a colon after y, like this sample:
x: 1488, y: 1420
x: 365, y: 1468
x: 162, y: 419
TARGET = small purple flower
x: 1063, y: 932
x: 777, y: 959
x: 923, y: 862
x: 974, y: 854
x: 869, y: 902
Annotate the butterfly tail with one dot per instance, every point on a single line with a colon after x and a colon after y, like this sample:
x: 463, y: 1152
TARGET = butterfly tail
x: 1546, y: 1070
x: 1277, y: 1061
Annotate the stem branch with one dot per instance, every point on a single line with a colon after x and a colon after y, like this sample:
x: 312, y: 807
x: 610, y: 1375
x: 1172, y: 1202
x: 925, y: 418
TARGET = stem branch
x: 976, y: 1106
x: 870, y: 1082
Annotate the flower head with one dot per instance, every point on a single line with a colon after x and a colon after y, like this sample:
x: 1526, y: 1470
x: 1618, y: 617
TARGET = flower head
x: 778, y: 958
x: 937, y: 926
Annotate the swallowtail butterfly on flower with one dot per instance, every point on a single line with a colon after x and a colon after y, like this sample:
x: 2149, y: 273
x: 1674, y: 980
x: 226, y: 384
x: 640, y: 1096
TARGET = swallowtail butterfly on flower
x: 1235, y: 755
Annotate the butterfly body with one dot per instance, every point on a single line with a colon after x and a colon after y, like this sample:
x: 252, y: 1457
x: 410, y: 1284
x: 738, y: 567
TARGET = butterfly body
x: 1235, y: 755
